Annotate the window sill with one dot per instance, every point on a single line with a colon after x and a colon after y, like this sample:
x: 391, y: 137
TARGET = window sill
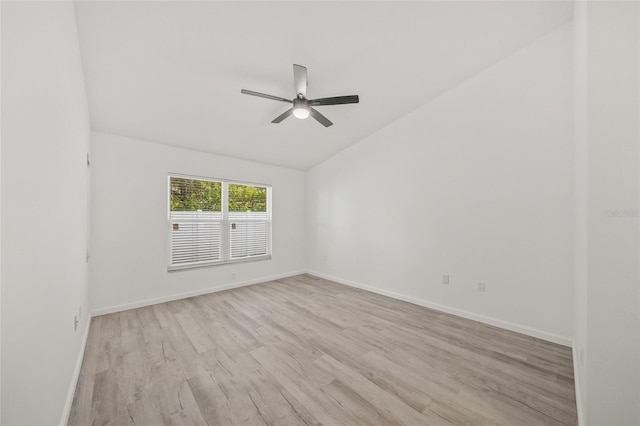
x: 187, y: 266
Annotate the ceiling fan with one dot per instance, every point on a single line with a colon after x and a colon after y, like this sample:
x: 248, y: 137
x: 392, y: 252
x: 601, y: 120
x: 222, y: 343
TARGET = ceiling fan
x: 303, y: 107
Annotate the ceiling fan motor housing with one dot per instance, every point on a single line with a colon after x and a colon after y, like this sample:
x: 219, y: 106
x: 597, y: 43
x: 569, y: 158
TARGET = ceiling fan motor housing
x: 301, y: 107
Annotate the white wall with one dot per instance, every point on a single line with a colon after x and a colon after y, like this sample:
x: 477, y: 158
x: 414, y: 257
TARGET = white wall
x: 581, y: 203
x: 0, y: 218
x: 608, y: 322
x: 45, y: 137
x: 128, y: 264
x: 477, y: 184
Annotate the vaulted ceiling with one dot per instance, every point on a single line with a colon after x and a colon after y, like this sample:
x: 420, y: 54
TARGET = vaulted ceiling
x: 171, y: 72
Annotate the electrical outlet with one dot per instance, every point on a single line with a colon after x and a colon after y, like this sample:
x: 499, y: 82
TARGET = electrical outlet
x: 482, y: 286
x: 233, y: 275
x: 325, y: 257
x: 445, y: 279
x: 75, y: 323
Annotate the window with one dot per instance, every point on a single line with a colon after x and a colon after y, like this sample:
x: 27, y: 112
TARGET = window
x: 213, y: 222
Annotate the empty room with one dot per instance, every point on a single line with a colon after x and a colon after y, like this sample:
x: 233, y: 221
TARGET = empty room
x: 320, y: 213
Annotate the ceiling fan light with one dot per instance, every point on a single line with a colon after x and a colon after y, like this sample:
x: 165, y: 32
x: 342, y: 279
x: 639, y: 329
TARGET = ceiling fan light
x: 301, y: 112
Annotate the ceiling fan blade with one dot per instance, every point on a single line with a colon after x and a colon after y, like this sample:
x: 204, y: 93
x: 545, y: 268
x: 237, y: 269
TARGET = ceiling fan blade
x: 282, y: 116
x: 337, y: 100
x: 300, y: 79
x: 320, y: 118
x: 263, y: 95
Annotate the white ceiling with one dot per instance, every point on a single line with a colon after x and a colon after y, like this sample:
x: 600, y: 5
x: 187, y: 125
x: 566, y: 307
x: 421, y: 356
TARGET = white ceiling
x: 171, y: 72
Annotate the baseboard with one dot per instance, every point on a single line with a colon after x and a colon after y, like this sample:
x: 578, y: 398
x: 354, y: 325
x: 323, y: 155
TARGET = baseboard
x: 550, y: 337
x: 178, y: 296
x: 562, y: 340
x: 76, y: 375
x: 576, y: 382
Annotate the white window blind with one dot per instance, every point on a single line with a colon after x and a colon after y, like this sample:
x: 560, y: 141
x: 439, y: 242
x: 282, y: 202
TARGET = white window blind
x: 215, y: 222
x: 248, y: 219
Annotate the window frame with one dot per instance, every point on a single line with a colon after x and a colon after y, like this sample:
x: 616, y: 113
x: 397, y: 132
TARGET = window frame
x: 225, y: 235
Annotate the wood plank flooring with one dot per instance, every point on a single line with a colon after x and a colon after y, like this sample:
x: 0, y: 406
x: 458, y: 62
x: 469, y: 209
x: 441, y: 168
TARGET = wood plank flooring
x: 304, y: 350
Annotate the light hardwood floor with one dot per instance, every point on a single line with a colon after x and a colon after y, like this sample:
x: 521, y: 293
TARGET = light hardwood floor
x: 304, y: 350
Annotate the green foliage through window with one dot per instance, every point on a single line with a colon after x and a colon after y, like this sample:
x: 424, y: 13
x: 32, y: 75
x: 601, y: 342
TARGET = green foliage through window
x: 243, y: 198
x: 192, y: 195
x: 206, y: 195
